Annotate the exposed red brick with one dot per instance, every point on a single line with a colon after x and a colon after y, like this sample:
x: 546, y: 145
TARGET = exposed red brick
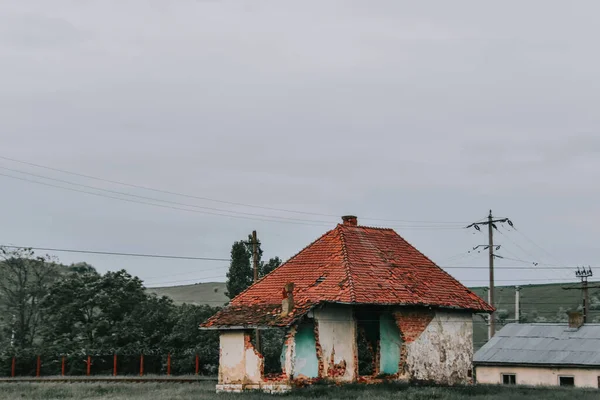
x: 321, y: 367
x: 349, y: 264
x: 412, y: 323
x: 335, y: 370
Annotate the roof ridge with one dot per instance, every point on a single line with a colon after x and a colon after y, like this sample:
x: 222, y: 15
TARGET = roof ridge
x: 346, y: 263
x: 378, y: 228
x: 282, y: 264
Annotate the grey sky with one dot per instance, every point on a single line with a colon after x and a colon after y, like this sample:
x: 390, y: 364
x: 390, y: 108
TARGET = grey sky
x: 386, y: 109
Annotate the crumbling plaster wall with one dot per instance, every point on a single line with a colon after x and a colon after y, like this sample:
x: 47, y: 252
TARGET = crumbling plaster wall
x: 337, y: 340
x: 239, y: 363
x: 437, y: 345
x: 232, y: 363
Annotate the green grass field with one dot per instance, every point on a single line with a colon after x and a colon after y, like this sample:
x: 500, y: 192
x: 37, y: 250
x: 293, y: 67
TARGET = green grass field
x: 539, y: 303
x: 205, y: 390
x: 209, y: 293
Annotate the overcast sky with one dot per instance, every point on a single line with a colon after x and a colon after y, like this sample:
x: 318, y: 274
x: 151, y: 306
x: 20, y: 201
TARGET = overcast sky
x: 396, y: 110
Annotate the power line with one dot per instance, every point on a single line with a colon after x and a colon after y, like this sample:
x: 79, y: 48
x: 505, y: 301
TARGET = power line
x: 228, y: 260
x: 153, y: 204
x: 535, y: 244
x: 214, y: 200
x: 117, y: 253
x: 287, y: 220
x: 156, y: 199
x: 516, y: 244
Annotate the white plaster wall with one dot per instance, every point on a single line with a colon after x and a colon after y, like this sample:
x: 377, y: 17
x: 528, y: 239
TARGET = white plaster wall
x: 232, y: 368
x: 444, y: 350
x: 337, y: 332
x: 253, y: 367
x: 534, y: 376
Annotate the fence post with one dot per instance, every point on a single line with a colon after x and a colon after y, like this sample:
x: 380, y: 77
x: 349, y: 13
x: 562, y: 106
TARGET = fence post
x: 169, y: 364
x: 142, y: 364
x: 89, y: 365
x: 197, y: 365
x: 115, y: 365
x: 62, y: 366
x: 38, y: 367
x: 13, y: 367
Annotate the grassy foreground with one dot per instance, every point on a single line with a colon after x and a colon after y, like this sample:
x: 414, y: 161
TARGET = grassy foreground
x: 205, y: 390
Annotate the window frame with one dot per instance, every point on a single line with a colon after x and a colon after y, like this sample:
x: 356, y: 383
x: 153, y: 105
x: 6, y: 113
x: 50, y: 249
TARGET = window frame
x: 560, y: 377
x: 509, y: 375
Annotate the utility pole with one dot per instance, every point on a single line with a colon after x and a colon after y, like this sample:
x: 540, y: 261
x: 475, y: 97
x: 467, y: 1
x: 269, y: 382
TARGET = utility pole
x: 491, y: 262
x: 518, y: 304
x: 491, y: 223
x: 584, y: 274
x: 255, y: 265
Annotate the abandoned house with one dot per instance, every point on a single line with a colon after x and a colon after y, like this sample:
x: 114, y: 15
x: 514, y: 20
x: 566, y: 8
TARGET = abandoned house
x: 542, y: 354
x: 358, y: 304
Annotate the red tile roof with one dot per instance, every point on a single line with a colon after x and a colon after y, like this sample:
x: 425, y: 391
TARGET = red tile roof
x: 349, y: 264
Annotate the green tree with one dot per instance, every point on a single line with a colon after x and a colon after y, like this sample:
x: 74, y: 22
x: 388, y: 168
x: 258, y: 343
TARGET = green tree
x: 149, y: 325
x: 187, y: 340
x: 24, y: 282
x: 86, y: 311
x: 241, y: 270
x: 269, y: 266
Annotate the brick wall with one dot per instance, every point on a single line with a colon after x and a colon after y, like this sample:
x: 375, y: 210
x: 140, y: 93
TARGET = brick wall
x: 412, y: 323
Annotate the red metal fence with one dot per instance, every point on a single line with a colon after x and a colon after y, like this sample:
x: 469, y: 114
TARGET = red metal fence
x: 78, y: 365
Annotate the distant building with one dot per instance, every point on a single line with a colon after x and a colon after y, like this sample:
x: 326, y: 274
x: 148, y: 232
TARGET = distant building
x: 353, y: 285
x: 542, y: 354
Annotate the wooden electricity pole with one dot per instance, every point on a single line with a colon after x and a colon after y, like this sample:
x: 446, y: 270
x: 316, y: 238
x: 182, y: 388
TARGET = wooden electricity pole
x: 491, y: 223
x: 255, y: 266
x: 491, y: 261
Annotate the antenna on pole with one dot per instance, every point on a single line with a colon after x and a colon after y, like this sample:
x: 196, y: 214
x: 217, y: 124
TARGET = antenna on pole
x: 584, y: 274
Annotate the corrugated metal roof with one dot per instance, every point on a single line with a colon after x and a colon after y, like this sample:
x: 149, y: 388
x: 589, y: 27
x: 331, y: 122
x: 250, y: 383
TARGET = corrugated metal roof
x: 548, y: 344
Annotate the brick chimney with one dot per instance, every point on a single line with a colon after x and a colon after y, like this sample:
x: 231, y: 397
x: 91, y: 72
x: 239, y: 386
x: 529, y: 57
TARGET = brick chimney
x: 575, y: 319
x: 287, y: 304
x: 350, y: 220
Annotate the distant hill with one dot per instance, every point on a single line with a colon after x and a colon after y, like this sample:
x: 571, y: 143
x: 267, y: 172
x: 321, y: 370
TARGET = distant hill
x: 539, y: 303
x: 210, y: 293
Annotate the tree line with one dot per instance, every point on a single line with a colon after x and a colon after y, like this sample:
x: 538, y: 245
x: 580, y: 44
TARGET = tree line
x: 54, y: 310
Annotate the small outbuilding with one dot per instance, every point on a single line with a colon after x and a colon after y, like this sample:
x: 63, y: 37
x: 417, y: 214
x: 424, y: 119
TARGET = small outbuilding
x: 542, y: 354
x: 356, y: 296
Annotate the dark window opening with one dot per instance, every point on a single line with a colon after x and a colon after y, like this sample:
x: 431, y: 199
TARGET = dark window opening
x: 271, y: 346
x: 566, y: 380
x: 367, y: 341
x: 366, y: 355
x: 509, y: 379
x: 469, y: 373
